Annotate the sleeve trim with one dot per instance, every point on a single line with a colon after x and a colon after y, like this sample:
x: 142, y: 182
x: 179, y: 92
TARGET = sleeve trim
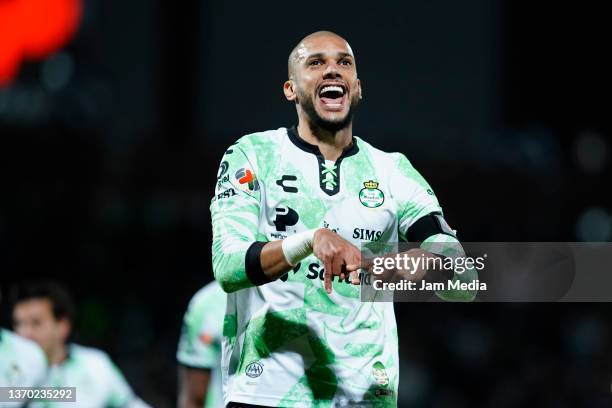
x: 252, y: 264
x: 428, y: 225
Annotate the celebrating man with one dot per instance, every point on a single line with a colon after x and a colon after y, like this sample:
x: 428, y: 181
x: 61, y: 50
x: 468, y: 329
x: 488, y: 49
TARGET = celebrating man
x: 291, y: 208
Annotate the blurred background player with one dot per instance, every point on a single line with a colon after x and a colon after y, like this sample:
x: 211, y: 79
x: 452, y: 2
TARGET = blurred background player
x: 44, y: 312
x: 22, y: 362
x: 199, y: 350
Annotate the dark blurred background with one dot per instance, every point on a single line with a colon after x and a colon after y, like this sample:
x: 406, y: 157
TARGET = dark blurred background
x: 109, y: 148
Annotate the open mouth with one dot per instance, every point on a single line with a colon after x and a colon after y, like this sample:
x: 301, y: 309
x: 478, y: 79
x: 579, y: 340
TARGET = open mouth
x: 332, y: 96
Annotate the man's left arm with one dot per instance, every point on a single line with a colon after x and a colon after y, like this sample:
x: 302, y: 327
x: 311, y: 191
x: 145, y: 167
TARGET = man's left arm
x: 421, y: 220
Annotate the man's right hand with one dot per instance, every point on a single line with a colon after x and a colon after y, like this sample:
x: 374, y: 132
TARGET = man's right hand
x: 339, y: 257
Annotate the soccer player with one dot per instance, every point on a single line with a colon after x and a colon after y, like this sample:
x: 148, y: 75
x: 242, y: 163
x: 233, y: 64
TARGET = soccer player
x: 43, y: 312
x: 290, y: 209
x: 199, y: 350
x: 22, y: 363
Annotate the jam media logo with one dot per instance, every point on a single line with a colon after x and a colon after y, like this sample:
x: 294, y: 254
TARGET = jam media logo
x: 370, y: 196
x: 247, y: 179
x: 254, y: 370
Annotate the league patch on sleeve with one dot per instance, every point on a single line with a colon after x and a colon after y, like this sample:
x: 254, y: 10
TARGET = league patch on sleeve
x: 247, y: 180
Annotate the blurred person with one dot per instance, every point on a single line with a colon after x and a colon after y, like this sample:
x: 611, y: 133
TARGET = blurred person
x: 291, y: 207
x: 199, y: 350
x: 43, y: 311
x: 22, y: 362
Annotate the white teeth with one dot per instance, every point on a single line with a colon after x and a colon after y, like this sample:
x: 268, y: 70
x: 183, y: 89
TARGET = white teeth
x: 332, y: 88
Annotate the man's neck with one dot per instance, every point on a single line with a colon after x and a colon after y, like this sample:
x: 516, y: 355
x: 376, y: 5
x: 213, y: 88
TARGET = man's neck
x: 58, y: 355
x: 331, y: 144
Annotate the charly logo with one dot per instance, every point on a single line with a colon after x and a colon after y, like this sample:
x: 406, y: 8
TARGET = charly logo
x: 283, y: 183
x: 370, y: 196
x: 254, y: 370
x: 247, y: 179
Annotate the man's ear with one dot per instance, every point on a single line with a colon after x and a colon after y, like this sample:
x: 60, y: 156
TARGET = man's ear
x: 289, y: 90
x: 359, y: 91
x: 65, y: 328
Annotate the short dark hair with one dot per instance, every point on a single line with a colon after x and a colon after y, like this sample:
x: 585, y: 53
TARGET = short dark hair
x: 62, y: 305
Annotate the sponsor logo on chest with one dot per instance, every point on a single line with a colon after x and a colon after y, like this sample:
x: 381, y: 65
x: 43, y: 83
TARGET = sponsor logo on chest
x: 366, y: 234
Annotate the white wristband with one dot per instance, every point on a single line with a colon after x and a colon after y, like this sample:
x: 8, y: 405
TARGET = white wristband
x: 298, y: 246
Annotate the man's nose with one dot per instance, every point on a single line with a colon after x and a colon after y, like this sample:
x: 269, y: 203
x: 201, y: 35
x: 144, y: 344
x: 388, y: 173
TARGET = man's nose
x: 331, y: 71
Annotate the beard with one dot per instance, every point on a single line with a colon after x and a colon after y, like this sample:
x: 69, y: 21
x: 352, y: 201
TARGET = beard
x: 318, y: 122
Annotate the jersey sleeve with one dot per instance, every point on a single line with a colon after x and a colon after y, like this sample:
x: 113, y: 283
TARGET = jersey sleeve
x: 31, y: 360
x: 414, y: 196
x: 199, y: 345
x: 416, y: 199
x: 234, y: 213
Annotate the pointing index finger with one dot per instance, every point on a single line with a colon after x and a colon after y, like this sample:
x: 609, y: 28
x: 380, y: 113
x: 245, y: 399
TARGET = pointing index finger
x: 327, y: 274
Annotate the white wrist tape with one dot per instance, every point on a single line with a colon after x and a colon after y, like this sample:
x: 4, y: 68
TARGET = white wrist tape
x: 298, y: 246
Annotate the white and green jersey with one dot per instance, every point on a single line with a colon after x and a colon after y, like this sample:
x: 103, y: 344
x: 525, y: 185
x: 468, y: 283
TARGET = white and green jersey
x: 22, y: 363
x: 200, y: 342
x: 98, y: 382
x: 288, y: 343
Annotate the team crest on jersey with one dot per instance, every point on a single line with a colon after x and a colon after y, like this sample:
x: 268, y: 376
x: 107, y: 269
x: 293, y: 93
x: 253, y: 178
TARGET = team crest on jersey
x: 371, y: 196
x: 247, y: 179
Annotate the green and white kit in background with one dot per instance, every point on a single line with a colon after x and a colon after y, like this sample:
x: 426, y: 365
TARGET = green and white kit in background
x: 22, y: 363
x: 98, y: 382
x: 288, y: 343
x: 200, y: 342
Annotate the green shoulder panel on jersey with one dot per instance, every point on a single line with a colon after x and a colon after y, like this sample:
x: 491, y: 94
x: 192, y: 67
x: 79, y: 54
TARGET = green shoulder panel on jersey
x: 414, y: 195
x: 236, y: 205
x: 235, y: 212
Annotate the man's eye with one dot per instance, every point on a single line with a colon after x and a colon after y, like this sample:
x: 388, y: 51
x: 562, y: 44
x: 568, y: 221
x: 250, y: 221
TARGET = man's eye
x: 346, y: 63
x: 314, y: 63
